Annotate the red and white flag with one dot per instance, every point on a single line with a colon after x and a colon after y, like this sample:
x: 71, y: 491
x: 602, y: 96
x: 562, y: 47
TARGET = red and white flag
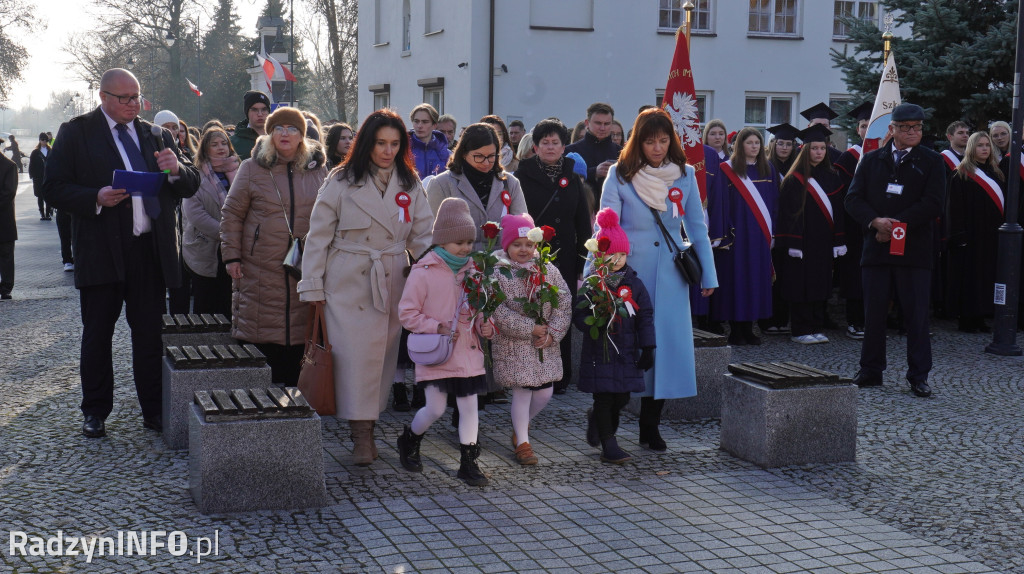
x: 273, y: 69
x: 193, y: 87
x: 888, y: 97
x: 681, y: 103
x: 146, y: 104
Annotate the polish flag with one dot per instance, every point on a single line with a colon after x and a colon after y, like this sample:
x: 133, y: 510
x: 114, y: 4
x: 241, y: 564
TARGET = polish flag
x: 146, y: 104
x: 272, y: 68
x: 193, y: 87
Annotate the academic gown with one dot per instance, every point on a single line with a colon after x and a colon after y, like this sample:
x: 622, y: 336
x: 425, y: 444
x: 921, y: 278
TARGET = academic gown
x: 972, y: 223
x: 745, y: 273
x: 802, y: 224
x: 850, y: 286
x: 715, y: 218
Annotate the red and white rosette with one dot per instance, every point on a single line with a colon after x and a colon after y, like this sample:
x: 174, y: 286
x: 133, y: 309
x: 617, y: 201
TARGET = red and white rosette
x: 403, y: 201
x: 563, y: 182
x: 506, y: 202
x: 626, y: 294
x: 675, y: 195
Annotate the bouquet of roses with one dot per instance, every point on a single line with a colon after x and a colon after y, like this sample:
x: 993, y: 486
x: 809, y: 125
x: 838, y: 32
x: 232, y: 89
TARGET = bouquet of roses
x: 539, y: 290
x: 606, y: 304
x: 483, y: 292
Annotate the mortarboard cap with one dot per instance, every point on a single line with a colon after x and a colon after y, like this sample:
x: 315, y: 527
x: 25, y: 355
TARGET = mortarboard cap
x: 784, y: 132
x: 862, y: 112
x: 815, y: 133
x: 819, y: 111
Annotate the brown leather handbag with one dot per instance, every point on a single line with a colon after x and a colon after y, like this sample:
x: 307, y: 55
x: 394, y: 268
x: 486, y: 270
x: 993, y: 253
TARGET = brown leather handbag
x: 316, y: 379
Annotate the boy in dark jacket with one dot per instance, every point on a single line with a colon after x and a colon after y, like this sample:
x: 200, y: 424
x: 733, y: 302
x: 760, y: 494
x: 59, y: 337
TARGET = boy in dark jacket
x: 629, y: 339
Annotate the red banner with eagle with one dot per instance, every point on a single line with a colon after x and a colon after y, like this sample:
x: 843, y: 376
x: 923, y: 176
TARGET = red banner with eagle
x: 681, y: 103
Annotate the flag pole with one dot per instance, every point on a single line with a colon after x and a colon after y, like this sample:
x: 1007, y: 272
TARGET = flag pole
x: 887, y: 40
x: 1006, y: 295
x: 688, y: 7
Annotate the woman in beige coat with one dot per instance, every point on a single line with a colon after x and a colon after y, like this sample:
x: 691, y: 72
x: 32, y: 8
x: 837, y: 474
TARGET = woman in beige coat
x: 272, y: 193
x: 369, y: 216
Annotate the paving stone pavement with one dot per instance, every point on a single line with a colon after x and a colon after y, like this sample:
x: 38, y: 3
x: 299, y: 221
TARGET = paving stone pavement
x: 936, y: 487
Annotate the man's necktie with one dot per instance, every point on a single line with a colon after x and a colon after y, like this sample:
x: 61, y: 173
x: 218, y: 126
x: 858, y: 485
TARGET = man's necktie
x: 899, y: 154
x: 138, y: 163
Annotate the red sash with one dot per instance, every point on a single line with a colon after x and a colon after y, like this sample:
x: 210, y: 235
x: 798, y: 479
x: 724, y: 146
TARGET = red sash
x: 855, y: 152
x: 749, y: 192
x: 820, y: 197
x: 1021, y: 166
x: 995, y: 193
x: 951, y: 160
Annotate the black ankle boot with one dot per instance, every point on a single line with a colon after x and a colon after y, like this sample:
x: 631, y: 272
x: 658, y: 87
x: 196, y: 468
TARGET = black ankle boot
x: 401, y: 400
x: 611, y: 452
x: 748, y: 333
x: 469, y: 472
x: 409, y: 450
x: 650, y: 419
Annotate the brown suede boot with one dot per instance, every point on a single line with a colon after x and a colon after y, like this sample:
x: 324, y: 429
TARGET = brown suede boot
x: 362, y: 442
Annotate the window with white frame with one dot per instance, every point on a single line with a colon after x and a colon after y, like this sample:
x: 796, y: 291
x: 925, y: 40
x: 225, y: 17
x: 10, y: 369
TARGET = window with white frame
x: 671, y: 15
x: 433, y: 92
x: 406, y: 26
x: 381, y: 96
x: 432, y: 17
x: 845, y: 10
x: 773, y: 17
x: 765, y: 110
x: 703, y: 104
x: 378, y: 26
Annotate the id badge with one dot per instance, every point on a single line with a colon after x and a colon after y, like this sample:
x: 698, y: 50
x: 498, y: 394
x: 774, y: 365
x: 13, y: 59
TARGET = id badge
x: 894, y: 189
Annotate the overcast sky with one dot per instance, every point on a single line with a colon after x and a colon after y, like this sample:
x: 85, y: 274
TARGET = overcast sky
x: 47, y: 70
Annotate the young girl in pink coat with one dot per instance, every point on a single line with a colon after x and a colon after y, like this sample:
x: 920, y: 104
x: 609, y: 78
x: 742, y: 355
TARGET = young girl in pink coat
x: 432, y: 295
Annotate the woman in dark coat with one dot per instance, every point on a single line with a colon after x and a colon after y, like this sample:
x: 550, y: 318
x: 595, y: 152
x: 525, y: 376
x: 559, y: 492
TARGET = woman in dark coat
x: 557, y: 197
x: 16, y: 154
x: 36, y: 171
x: 974, y: 212
x: 809, y: 234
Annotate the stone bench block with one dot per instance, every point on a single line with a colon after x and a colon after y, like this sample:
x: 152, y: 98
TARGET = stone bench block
x: 180, y: 386
x: 257, y: 464
x: 197, y: 339
x: 774, y: 427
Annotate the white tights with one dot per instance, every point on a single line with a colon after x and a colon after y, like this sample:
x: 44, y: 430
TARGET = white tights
x: 437, y: 402
x: 526, y: 404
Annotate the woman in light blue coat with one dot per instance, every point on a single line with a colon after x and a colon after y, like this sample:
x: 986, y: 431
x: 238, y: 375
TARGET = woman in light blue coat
x: 652, y: 174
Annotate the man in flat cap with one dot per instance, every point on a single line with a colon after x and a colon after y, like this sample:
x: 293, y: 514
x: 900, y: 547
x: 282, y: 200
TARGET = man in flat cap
x: 895, y: 196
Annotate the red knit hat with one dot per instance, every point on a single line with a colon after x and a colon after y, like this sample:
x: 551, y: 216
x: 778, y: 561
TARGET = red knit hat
x: 608, y: 221
x: 513, y: 227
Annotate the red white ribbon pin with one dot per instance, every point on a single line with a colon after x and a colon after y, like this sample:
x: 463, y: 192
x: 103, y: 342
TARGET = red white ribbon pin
x: 404, y: 201
x: 563, y: 183
x: 675, y: 195
x: 626, y: 294
x: 506, y: 202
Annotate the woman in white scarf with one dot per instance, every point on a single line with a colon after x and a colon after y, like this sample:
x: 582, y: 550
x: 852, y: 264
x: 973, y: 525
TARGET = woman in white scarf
x: 652, y: 180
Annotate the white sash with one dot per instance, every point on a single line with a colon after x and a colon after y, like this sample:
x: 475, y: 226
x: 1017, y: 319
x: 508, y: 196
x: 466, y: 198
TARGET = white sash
x: 990, y: 186
x: 856, y: 151
x: 752, y: 196
x: 951, y: 160
x: 822, y: 197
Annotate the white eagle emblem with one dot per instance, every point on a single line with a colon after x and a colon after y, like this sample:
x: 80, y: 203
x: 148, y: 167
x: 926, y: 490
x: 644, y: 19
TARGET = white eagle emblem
x: 683, y: 110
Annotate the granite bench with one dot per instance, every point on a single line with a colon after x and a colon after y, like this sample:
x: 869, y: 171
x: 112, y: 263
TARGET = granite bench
x: 785, y: 413
x: 195, y: 330
x: 187, y: 369
x: 255, y: 449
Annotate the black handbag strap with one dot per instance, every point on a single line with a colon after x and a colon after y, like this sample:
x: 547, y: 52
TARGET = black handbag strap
x: 664, y: 232
x: 546, y: 205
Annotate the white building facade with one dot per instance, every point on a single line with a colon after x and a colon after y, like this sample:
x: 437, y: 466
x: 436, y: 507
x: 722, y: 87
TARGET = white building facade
x: 755, y: 62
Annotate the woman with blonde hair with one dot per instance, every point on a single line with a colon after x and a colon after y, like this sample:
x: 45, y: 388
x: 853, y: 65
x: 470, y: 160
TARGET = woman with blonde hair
x: 715, y: 136
x: 267, y: 207
x: 974, y: 212
x: 1000, y: 132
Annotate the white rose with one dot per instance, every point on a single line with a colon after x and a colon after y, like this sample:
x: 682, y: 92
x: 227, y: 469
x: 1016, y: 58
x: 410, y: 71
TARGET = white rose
x: 535, y: 235
x: 591, y: 245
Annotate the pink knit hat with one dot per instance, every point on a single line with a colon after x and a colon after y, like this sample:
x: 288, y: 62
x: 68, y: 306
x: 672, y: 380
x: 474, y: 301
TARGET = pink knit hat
x: 608, y: 221
x: 513, y: 227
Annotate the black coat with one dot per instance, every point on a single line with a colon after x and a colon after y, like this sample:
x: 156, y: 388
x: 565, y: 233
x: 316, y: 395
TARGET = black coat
x: 801, y: 224
x: 972, y: 227
x: 37, y: 171
x: 8, y: 191
x: 630, y: 334
x: 850, y: 286
x: 82, y: 161
x: 923, y: 177
x: 595, y: 152
x: 568, y: 213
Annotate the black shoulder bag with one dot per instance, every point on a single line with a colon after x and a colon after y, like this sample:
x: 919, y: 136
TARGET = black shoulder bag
x: 685, y: 259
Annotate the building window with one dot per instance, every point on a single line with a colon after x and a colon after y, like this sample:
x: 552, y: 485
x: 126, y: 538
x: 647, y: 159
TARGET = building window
x: 703, y: 104
x: 845, y: 10
x: 378, y: 28
x: 406, y: 26
x: 773, y: 17
x: 766, y: 110
x: 671, y: 15
x: 381, y: 96
x: 433, y: 92
x: 564, y: 15
x: 838, y: 103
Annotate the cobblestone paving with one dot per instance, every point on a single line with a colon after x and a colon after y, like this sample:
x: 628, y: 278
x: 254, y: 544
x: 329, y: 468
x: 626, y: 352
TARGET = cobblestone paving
x: 936, y: 487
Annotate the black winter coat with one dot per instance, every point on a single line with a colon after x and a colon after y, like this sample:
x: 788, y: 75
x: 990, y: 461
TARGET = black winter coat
x: 568, y: 213
x: 37, y: 170
x: 8, y: 191
x: 630, y: 334
x: 595, y: 152
x: 923, y: 177
x: 849, y: 265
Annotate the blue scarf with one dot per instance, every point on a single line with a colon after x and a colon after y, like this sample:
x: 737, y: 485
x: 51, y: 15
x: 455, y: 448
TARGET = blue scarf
x: 454, y: 262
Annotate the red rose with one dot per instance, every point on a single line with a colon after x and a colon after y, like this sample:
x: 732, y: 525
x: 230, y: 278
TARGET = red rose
x: 491, y: 229
x: 549, y: 232
x: 603, y: 244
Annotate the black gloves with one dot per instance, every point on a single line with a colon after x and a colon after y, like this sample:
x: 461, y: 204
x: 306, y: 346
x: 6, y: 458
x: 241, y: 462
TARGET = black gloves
x: 646, y: 360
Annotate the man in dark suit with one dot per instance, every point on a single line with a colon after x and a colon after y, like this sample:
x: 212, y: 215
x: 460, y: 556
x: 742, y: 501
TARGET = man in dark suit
x: 8, y: 224
x: 126, y: 247
x: 902, y: 182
